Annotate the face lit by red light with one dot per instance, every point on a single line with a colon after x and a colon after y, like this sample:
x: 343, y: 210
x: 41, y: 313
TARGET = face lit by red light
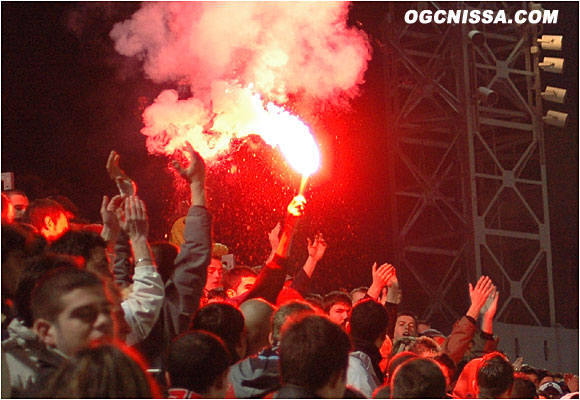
x: 339, y: 312
x: 53, y: 229
x: 214, y: 275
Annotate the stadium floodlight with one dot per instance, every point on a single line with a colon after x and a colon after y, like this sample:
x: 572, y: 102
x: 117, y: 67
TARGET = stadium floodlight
x: 552, y: 64
x: 551, y: 42
x: 555, y: 118
x: 554, y: 94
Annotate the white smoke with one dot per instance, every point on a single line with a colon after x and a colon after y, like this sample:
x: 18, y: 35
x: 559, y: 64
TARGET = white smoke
x: 229, y: 51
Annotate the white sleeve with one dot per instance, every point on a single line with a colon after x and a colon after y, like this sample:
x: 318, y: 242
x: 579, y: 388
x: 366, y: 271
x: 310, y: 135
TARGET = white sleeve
x: 360, y: 378
x: 143, y: 305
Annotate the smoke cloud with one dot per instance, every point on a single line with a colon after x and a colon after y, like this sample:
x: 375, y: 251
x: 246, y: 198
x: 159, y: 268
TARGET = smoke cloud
x: 235, y: 57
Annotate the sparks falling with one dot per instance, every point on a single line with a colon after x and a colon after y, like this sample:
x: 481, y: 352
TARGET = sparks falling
x: 241, y: 61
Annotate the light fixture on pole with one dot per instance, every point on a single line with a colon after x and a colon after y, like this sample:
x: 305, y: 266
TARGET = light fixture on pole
x: 552, y: 64
x: 554, y: 94
x: 551, y: 42
x: 555, y: 118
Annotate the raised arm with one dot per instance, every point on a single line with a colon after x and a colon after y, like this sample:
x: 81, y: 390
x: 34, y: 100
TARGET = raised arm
x: 271, y: 278
x: 143, y: 304
x: 185, y: 287
x: 464, y: 330
x: 316, y: 251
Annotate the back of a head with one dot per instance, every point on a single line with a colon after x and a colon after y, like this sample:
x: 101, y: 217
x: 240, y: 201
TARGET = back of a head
x: 335, y: 297
x: 312, y: 349
x: 106, y: 371
x: 524, y: 388
x: 464, y: 387
x: 257, y: 316
x: 292, y: 310
x: 195, y: 360
x: 418, y: 378
x: 425, y: 347
x: 34, y: 271
x: 165, y: 254
x: 397, y: 360
x: 45, y: 299
x: 78, y: 243
x: 495, y: 375
x: 224, y: 320
x: 368, y: 320
x: 41, y: 208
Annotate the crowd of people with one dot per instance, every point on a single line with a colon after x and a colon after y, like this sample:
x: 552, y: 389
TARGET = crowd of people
x: 97, y: 311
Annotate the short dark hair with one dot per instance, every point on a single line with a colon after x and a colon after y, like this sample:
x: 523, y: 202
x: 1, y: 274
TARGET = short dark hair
x: 409, y: 314
x: 312, y: 349
x: 196, y: 359
x: 165, y: 254
x: 335, y: 297
x: 495, y: 374
x: 41, y: 208
x: 223, y: 319
x: 33, y: 272
x: 397, y: 360
x: 524, y: 388
x: 368, y: 320
x: 232, y: 278
x: 418, y: 378
x: 78, y: 243
x: 288, y: 310
x: 45, y: 300
x: 103, y: 370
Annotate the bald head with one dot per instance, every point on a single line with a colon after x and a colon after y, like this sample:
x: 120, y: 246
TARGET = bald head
x: 257, y: 314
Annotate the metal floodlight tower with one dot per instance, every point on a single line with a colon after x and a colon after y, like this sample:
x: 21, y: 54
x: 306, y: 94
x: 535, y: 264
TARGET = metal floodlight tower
x: 468, y: 170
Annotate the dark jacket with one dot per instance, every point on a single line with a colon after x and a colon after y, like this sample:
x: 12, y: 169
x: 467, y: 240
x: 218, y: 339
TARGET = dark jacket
x: 185, y: 287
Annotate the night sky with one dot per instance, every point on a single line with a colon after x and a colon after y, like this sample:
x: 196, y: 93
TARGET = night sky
x: 68, y: 99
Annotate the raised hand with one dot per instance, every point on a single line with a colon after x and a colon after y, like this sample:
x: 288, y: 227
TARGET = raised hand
x: 195, y: 171
x: 136, y: 223
x: 109, y: 215
x: 479, y: 295
x: 316, y: 250
x: 274, y: 236
x: 381, y: 277
x: 126, y: 185
x: 296, y: 206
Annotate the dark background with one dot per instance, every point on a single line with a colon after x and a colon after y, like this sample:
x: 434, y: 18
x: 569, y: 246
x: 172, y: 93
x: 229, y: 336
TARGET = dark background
x: 68, y: 99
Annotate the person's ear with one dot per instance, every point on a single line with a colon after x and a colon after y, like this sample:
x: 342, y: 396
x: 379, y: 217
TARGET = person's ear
x: 231, y: 293
x: 271, y: 339
x: 347, y: 327
x: 49, y: 223
x: 167, y: 379
x: 45, y: 331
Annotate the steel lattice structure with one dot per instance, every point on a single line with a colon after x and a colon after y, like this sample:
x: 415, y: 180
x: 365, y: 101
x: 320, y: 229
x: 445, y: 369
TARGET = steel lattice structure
x: 469, y: 189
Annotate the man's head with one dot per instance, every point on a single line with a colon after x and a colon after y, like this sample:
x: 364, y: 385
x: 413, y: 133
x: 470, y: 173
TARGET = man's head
x: 337, y: 306
x: 8, y: 213
x: 358, y: 294
x: 199, y: 361
x: 227, y: 322
x: 88, y: 245
x: 418, y: 378
x: 257, y: 316
x: 531, y: 373
x: 48, y: 217
x: 293, y: 310
x: 70, y: 308
x: 406, y: 325
x: 19, y: 201
x: 524, y: 388
x: 368, y: 322
x: 495, y: 376
x: 238, y: 281
x: 314, y: 355
x: 425, y: 347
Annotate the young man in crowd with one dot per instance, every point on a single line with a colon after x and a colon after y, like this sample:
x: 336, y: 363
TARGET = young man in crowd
x: 337, y: 306
x: 197, y: 366
x: 313, y: 359
x: 494, y: 377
